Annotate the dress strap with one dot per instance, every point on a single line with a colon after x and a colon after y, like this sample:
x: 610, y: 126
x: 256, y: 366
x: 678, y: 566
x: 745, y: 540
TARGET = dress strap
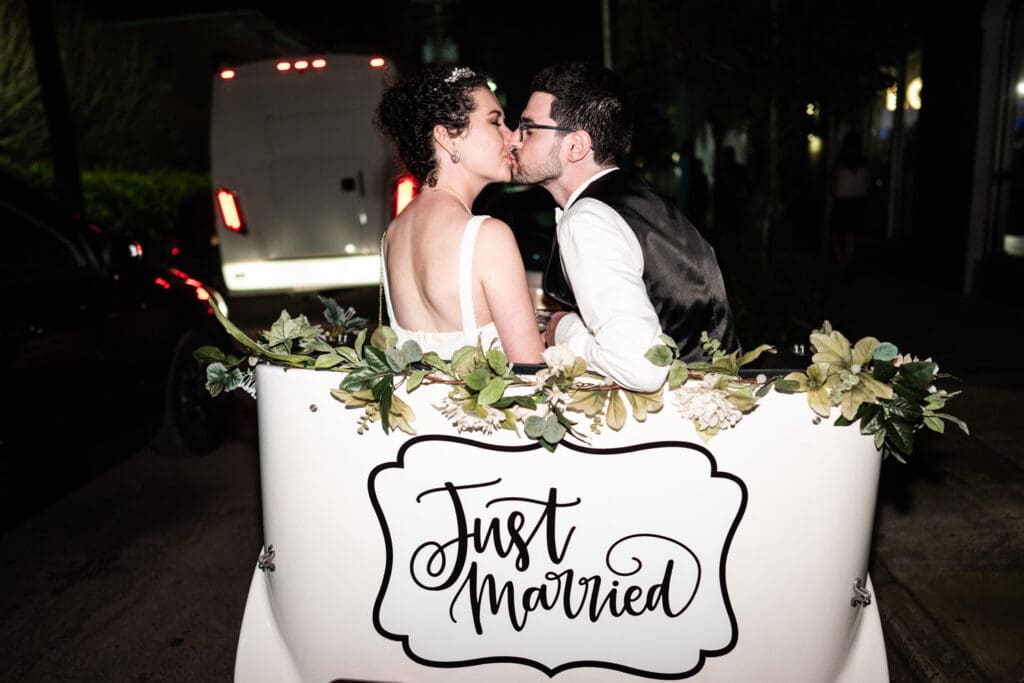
x: 384, y: 283
x: 466, y: 272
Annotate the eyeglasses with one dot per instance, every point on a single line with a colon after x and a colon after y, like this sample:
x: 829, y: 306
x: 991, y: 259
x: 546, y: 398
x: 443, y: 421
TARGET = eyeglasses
x: 524, y: 126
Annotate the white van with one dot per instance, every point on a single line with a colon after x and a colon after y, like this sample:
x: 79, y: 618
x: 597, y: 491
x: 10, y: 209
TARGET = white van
x: 304, y: 183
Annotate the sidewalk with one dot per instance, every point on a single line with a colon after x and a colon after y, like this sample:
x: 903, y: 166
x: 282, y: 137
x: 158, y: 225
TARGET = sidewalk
x: 948, y: 549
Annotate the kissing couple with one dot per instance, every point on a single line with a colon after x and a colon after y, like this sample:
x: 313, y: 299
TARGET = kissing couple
x: 626, y: 265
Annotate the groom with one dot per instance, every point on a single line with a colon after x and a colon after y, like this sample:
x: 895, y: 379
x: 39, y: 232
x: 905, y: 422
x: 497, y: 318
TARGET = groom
x: 627, y: 262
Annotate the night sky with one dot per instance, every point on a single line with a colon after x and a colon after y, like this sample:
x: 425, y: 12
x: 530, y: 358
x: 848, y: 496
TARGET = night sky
x: 509, y: 41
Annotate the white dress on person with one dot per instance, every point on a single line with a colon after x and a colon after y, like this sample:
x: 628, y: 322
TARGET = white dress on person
x: 447, y: 343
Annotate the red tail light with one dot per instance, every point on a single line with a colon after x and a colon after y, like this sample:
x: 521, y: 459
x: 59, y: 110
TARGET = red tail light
x: 405, y: 190
x: 230, y: 212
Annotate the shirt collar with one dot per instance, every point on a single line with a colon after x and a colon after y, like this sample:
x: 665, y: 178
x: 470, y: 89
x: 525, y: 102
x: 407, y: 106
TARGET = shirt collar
x: 586, y: 183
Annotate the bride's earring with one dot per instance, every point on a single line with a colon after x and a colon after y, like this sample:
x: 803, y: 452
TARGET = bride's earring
x: 456, y: 157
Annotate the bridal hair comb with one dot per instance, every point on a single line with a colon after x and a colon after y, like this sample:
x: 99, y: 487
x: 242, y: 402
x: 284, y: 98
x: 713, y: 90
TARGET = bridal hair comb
x: 458, y: 73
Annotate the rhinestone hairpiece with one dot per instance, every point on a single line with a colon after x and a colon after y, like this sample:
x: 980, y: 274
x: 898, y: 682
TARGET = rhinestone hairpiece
x: 458, y: 73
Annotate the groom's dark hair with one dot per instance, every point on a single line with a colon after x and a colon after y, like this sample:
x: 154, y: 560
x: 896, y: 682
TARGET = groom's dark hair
x: 589, y: 97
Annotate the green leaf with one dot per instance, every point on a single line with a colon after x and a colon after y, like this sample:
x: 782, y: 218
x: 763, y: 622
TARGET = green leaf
x: 527, y: 402
x: 884, y: 371
x: 918, y: 374
x: 243, y: 339
x: 905, y: 410
x: 349, y: 354
x: 787, y: 386
x: 360, y: 379
x: 751, y: 356
x: 643, y: 403
x: 935, y: 424
x: 498, y: 361
x: 415, y: 379
x: 819, y: 401
x: 616, y: 414
x: 463, y: 361
x: 384, y: 338
x: 879, y: 439
x: 660, y: 355
x: 492, y: 392
x: 909, y: 394
x: 383, y: 391
x: 376, y: 359
x: 900, y: 436
x: 872, y: 418
x: 478, y: 379
x: 396, y: 360
x: 209, y: 354
x: 533, y: 425
x: 668, y: 341
x: 677, y: 374
x: 832, y: 348
x: 360, y: 341
x: 885, y: 351
x: 955, y: 420
x: 433, y: 360
x: 590, y: 403
x: 412, y: 352
x: 553, y: 429
x: 328, y: 360
x: 864, y: 349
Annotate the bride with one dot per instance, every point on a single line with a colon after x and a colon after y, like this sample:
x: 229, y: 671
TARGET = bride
x: 450, y: 277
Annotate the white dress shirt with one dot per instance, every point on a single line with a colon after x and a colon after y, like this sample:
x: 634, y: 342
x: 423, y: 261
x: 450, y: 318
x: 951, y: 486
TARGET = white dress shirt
x: 604, y: 264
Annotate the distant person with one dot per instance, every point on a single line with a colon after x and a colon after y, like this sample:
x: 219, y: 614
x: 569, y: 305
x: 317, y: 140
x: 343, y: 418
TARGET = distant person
x: 449, y: 276
x: 731, y: 193
x: 627, y: 262
x: 849, y: 182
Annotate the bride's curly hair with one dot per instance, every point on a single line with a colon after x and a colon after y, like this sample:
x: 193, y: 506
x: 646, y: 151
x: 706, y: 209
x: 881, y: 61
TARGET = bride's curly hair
x: 412, y: 106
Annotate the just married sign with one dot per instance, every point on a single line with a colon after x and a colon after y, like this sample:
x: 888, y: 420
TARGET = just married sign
x: 642, y: 555
x: 582, y: 558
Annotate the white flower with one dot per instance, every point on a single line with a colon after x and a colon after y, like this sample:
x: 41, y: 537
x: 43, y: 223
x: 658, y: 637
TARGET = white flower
x: 705, y: 404
x: 466, y: 422
x: 559, y: 357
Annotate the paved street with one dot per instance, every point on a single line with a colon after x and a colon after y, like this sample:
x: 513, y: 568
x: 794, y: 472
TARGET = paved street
x: 142, y: 574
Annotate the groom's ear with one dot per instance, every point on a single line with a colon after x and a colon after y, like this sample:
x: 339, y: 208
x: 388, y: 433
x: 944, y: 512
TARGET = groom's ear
x: 579, y: 145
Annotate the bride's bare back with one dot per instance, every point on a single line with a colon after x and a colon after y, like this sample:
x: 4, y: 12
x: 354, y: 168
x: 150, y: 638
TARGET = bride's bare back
x: 422, y: 249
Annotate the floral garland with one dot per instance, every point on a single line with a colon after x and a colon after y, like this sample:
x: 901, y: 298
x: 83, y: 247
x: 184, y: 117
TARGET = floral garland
x: 891, y: 396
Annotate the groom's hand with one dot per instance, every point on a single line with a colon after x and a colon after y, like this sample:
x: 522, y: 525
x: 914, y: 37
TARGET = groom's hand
x: 549, y: 328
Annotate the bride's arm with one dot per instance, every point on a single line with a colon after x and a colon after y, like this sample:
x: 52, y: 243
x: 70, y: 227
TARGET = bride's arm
x: 498, y: 261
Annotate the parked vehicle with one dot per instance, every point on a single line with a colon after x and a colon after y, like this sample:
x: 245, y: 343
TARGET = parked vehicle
x: 304, y: 183
x: 97, y: 351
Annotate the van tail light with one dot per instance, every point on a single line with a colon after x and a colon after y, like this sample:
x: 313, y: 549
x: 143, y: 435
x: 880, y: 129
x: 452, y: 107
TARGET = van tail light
x: 405, y: 190
x: 230, y: 212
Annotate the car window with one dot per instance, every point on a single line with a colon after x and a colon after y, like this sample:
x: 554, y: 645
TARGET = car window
x: 31, y: 250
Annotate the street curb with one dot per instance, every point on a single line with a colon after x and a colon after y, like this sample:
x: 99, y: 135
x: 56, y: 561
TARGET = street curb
x: 910, y: 630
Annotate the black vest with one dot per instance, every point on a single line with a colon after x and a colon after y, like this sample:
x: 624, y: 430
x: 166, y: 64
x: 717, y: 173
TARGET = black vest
x: 681, y: 273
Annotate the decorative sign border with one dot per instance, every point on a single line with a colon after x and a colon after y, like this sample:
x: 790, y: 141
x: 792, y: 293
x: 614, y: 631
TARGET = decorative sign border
x: 552, y: 671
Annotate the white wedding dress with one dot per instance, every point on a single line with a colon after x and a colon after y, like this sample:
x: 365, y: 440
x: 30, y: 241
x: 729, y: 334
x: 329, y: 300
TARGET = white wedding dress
x: 446, y: 343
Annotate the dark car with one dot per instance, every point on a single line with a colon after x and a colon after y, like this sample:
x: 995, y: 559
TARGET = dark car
x: 97, y: 352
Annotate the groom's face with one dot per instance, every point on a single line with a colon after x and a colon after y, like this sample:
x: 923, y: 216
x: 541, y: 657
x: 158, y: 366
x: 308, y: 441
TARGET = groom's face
x: 537, y: 151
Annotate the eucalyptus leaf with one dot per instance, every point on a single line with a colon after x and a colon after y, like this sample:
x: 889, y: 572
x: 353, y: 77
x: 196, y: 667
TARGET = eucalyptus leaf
x: 553, y: 429
x: 433, y: 360
x: 533, y: 425
x: 886, y: 351
x: 412, y: 352
x: 396, y: 360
